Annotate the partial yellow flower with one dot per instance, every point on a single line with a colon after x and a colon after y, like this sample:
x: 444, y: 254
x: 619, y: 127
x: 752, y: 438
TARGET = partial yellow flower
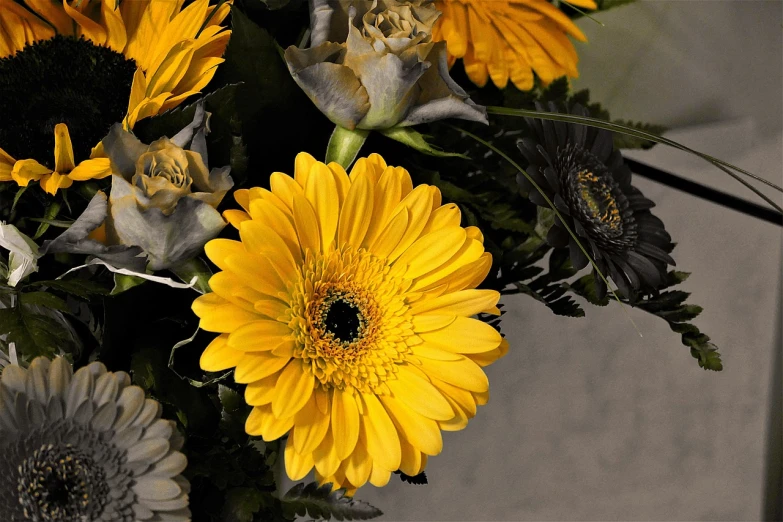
x: 510, y: 39
x: 174, y: 53
x: 347, y: 307
x: 65, y: 170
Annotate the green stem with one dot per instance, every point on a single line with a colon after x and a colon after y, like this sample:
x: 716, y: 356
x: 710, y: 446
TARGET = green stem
x: 344, y: 145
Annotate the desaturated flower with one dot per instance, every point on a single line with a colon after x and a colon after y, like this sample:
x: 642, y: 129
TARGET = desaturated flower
x: 22, y: 253
x: 373, y: 65
x: 162, y: 199
x: 86, y: 446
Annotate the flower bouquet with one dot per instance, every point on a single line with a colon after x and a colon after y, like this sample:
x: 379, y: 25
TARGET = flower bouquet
x: 254, y: 252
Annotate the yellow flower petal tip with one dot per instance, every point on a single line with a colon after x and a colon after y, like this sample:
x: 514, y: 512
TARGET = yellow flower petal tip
x: 349, y: 308
x: 510, y: 40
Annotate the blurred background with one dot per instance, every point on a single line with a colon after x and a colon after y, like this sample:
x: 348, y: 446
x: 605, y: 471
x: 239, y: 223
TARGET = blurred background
x: 588, y: 421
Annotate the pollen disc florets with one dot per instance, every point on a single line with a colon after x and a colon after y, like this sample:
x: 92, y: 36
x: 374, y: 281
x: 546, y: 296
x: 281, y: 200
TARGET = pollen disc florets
x: 346, y: 305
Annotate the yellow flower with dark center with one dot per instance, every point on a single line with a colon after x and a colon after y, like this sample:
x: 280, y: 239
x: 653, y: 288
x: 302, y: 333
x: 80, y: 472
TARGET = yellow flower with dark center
x: 101, y: 62
x: 510, y: 39
x: 347, y: 309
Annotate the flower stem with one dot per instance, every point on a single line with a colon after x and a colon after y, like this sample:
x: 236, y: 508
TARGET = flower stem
x: 344, y: 145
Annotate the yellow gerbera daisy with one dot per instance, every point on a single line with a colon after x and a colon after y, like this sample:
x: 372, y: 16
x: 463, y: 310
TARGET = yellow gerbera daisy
x: 82, y: 65
x: 510, y: 39
x: 347, y: 309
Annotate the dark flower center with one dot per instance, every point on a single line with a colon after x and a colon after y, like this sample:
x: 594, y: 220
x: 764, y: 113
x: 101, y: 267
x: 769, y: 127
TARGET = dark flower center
x: 597, y: 202
x: 595, y: 199
x: 61, y: 80
x: 342, y: 319
x: 59, y: 484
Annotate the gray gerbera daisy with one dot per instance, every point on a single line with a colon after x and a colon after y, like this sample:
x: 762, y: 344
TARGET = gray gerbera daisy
x: 86, y: 446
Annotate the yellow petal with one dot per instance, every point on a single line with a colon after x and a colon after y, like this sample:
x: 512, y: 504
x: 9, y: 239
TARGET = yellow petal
x: 325, y: 456
x: 431, y: 251
x: 219, y: 315
x: 356, y: 213
x: 421, y: 432
x: 259, y: 336
x: 262, y: 239
x: 383, y: 443
x: 63, y: 149
x: 294, y: 389
x: 443, y: 217
x: 428, y: 323
x: 267, y: 213
x: 262, y: 391
x: 358, y: 465
x: 218, y: 250
x: 302, y: 165
x: 390, y: 237
x: 464, y: 303
x: 235, y: 217
x: 419, y: 204
x: 93, y: 31
x: 306, y: 225
x: 116, y: 38
x: 419, y: 394
x: 464, y: 335
x: 218, y: 356
x: 51, y: 183
x: 297, y: 464
x: 284, y: 187
x: 257, y: 271
x: 171, y: 70
x: 262, y: 422
x: 345, y: 422
x: 379, y: 476
x: 310, y: 426
x: 463, y: 373
x: 257, y: 365
x: 97, y: 168
x: 321, y: 192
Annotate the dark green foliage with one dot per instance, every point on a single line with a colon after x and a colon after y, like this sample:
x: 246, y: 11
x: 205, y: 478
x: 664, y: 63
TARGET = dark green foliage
x: 417, y: 480
x: 320, y: 502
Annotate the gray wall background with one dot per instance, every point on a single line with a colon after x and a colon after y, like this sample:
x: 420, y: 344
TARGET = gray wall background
x: 587, y: 420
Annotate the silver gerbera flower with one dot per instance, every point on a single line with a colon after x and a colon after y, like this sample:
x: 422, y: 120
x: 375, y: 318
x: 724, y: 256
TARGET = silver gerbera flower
x: 86, y: 446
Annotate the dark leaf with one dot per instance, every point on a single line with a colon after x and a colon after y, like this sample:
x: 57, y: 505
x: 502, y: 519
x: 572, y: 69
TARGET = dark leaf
x: 321, y: 502
x: 242, y: 504
x: 44, y: 299
x: 417, y: 480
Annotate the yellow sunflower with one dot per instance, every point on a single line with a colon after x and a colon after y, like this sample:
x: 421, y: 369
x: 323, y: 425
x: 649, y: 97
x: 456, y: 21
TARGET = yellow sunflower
x: 69, y: 69
x: 510, y: 39
x: 347, y: 309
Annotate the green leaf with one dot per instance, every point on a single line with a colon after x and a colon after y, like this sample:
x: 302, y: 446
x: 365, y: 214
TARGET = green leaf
x: 242, y: 504
x: 197, y: 268
x: 321, y: 502
x: 416, y: 140
x: 230, y: 399
x: 36, y: 333
x: 585, y: 287
x: 82, y: 288
x: 44, y: 299
x: 51, y: 212
x: 123, y: 283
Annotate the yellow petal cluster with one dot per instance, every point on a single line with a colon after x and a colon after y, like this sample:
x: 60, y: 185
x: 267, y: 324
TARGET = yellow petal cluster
x: 507, y: 40
x: 174, y: 59
x: 347, y: 307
